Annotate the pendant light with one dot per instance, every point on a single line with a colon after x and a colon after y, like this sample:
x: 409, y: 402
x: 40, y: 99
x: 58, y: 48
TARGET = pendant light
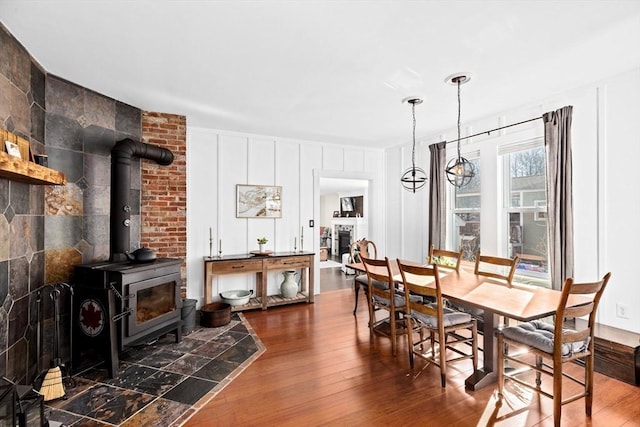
x: 413, y: 178
x: 459, y: 170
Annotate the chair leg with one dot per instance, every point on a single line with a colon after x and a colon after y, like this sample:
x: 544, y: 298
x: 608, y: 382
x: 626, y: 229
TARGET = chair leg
x: 588, y: 383
x: 557, y: 393
x: 433, y: 344
x: 410, y: 340
x: 356, y: 285
x: 394, y: 335
x: 442, y: 353
x: 372, y: 318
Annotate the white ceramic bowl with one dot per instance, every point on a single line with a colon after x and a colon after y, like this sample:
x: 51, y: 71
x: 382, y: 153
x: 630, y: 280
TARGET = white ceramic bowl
x: 236, y: 297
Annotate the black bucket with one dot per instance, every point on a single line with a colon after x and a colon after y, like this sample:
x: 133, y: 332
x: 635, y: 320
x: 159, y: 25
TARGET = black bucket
x: 188, y: 315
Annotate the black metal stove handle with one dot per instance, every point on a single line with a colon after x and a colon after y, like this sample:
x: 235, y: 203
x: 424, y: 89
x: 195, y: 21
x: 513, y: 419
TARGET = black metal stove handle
x: 122, y: 315
x: 118, y: 294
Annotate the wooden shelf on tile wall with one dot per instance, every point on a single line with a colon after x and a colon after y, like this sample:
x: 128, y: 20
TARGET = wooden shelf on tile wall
x: 16, y: 169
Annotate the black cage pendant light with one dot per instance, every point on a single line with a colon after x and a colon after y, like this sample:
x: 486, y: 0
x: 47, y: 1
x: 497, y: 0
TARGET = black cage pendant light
x: 459, y: 170
x: 414, y: 178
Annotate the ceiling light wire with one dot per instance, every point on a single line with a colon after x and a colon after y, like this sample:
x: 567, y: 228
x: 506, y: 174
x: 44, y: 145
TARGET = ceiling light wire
x: 459, y: 171
x: 414, y: 178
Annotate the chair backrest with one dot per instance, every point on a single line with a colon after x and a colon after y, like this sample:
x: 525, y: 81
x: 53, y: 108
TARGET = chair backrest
x: 487, y: 265
x: 363, y: 249
x: 380, y: 270
x: 592, y: 289
x: 445, y: 258
x: 415, y: 279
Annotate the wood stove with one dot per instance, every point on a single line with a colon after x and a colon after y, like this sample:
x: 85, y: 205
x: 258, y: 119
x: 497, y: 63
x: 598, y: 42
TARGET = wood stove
x: 118, y: 305
x: 125, y: 301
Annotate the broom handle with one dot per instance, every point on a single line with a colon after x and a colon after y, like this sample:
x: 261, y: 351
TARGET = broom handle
x: 63, y: 285
x: 70, y: 329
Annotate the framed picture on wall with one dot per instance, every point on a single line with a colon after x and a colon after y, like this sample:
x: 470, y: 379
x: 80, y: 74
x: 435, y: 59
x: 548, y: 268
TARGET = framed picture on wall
x: 258, y: 201
x: 13, y: 149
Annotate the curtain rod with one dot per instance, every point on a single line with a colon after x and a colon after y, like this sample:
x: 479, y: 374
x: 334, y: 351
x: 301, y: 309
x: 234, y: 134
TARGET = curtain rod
x: 488, y: 132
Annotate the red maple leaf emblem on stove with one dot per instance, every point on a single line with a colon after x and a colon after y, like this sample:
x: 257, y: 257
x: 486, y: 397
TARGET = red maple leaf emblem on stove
x: 91, y: 317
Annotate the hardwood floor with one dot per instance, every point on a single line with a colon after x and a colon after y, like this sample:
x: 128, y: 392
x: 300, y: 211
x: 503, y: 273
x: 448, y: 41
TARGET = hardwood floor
x: 322, y: 368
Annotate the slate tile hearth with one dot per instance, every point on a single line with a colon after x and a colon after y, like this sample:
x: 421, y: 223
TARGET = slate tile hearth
x: 161, y: 383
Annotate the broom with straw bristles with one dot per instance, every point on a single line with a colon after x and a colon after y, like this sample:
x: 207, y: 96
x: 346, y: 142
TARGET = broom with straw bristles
x: 52, y: 387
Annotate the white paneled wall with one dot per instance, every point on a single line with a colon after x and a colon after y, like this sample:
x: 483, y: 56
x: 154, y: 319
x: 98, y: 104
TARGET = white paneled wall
x: 606, y: 199
x: 620, y: 198
x: 218, y: 161
x: 606, y: 147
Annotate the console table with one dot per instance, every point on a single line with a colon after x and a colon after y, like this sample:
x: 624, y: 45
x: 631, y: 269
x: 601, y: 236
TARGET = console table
x: 260, y: 265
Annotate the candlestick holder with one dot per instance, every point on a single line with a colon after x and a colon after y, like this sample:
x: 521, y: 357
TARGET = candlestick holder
x: 301, y: 244
x: 210, y: 247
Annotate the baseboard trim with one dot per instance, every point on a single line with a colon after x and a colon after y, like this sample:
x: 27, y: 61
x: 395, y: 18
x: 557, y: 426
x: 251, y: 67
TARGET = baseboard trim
x: 617, y: 353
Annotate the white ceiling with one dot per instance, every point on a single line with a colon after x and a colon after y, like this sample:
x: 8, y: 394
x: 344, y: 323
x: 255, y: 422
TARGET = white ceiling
x: 332, y: 71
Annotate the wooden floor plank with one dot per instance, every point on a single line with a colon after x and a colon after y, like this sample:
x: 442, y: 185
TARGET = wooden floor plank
x: 321, y: 367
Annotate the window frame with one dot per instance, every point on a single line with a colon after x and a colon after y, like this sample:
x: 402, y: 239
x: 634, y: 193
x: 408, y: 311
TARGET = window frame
x: 504, y: 153
x: 495, y: 208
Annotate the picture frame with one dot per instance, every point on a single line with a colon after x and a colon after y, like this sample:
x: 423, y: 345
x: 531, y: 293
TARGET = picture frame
x: 258, y: 201
x: 13, y: 149
x: 540, y: 216
x: 11, y: 141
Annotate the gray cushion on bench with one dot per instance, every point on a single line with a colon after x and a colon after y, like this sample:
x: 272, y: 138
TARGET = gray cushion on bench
x: 539, y: 334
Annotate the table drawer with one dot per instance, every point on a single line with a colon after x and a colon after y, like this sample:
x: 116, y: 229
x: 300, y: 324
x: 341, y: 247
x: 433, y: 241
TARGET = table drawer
x: 290, y: 262
x: 237, y: 266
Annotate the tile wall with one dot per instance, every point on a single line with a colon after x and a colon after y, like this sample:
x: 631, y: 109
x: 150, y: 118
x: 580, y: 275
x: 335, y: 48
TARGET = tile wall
x: 46, y: 230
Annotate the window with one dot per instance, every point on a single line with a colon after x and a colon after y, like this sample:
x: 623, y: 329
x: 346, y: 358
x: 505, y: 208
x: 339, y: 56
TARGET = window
x: 526, y: 207
x: 466, y: 216
x: 511, y: 220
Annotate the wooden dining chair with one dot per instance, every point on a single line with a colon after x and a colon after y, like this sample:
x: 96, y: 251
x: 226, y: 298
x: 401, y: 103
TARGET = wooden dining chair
x: 496, y: 267
x: 530, y: 346
x: 441, y: 323
x: 383, y: 298
x: 445, y: 258
x: 357, y: 250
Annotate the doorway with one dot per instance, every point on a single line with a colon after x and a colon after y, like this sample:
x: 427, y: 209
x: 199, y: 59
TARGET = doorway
x: 332, y: 186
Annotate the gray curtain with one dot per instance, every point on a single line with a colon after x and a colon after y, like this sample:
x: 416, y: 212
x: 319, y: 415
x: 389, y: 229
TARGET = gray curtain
x: 437, y: 196
x: 557, y: 139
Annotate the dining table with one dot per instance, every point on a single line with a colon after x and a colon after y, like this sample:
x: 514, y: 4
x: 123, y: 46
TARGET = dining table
x: 495, y: 298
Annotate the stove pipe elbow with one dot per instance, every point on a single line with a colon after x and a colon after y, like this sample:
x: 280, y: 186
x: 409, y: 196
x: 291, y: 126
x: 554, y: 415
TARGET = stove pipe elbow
x: 121, y: 156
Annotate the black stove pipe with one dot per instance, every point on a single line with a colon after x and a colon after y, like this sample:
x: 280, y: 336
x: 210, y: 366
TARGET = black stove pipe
x: 121, y: 156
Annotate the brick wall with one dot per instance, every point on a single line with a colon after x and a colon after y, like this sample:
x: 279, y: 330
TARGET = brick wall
x: 164, y: 189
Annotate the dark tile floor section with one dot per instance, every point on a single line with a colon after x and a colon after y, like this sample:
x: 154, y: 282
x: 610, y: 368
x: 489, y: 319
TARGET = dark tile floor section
x: 158, y: 383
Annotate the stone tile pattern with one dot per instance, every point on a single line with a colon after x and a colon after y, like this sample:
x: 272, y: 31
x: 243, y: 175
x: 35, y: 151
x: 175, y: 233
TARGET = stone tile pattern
x: 22, y: 266
x: 46, y: 230
x: 161, y: 384
x: 81, y: 129
x: 164, y: 191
